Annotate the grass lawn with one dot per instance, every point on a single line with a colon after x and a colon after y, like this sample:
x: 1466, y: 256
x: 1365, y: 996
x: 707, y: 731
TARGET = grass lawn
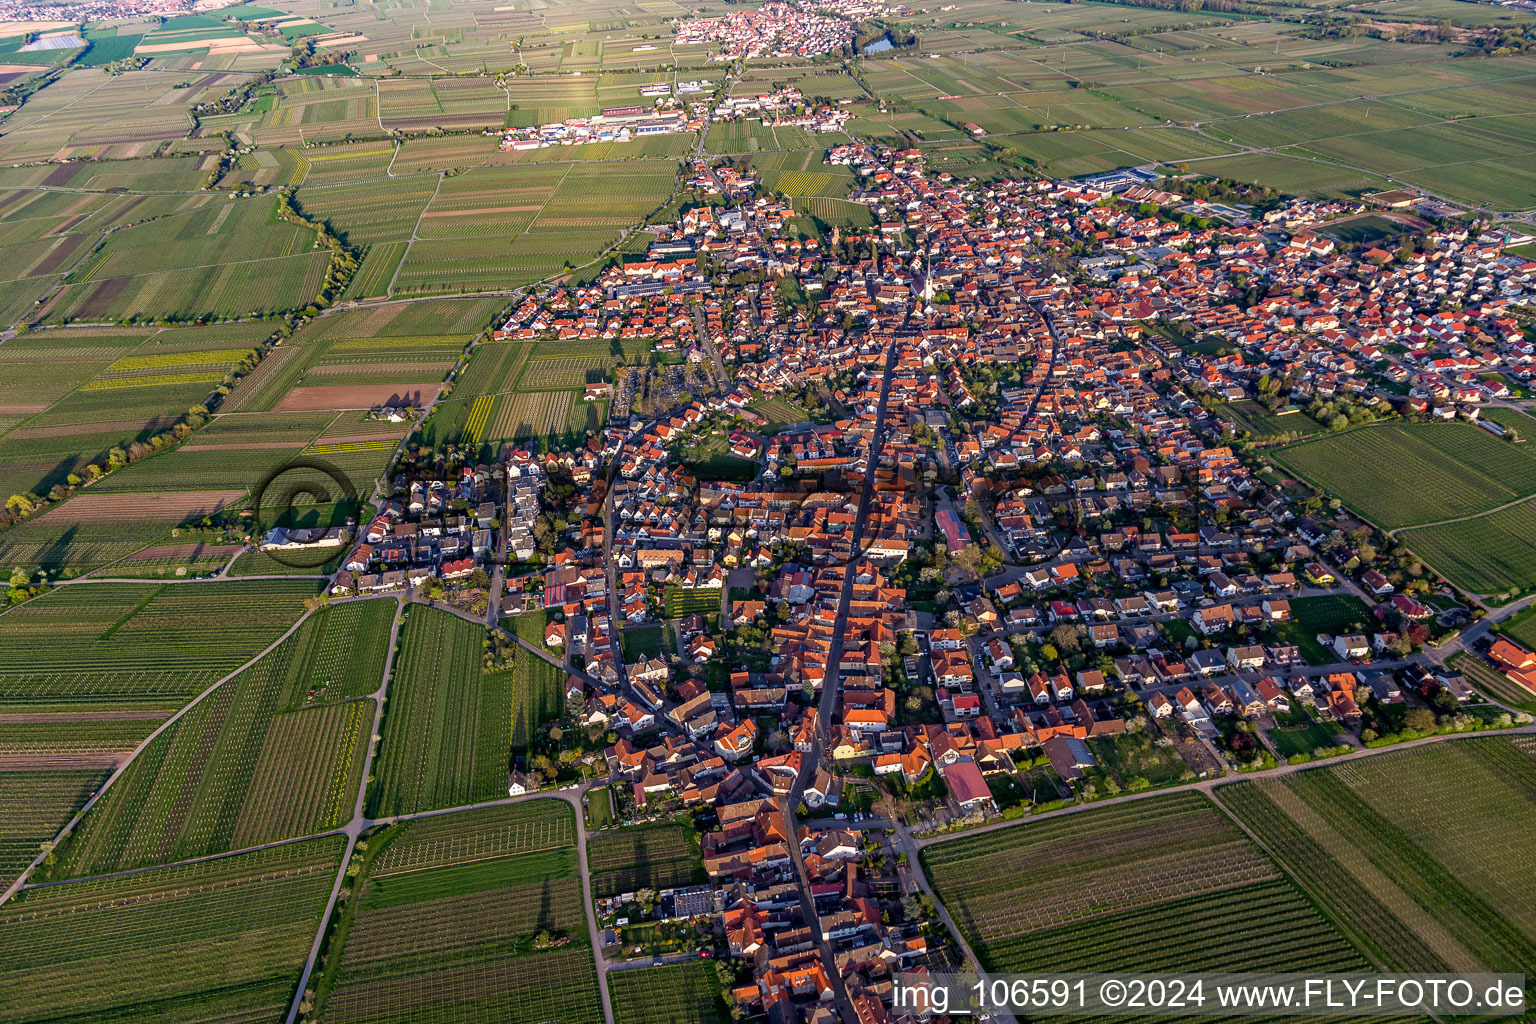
x: 1264, y: 425
x: 779, y: 412
x: 1300, y: 733
x: 530, y: 626
x: 1313, y: 615
x: 599, y: 811
x: 646, y: 642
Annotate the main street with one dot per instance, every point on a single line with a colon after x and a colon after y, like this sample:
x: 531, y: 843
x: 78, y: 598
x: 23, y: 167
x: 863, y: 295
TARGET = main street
x: 830, y: 687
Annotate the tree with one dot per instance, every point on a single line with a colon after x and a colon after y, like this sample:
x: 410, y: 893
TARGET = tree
x: 1419, y: 719
x: 1066, y: 638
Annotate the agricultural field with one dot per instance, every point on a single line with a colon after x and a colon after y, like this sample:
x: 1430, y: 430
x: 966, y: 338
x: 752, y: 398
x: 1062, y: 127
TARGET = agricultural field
x: 516, y: 391
x: 1412, y: 475
x: 499, y: 227
x: 78, y: 393
x: 477, y: 916
x: 803, y: 174
x: 225, y: 937
x: 1491, y: 554
x: 70, y: 740
x: 447, y: 725
x: 37, y: 804
x: 656, y: 856
x: 538, y: 695
x: 1427, y: 877
x: 1263, y: 425
x: 361, y: 358
x: 250, y: 763
x: 234, y: 259
x: 1493, y: 683
x: 661, y: 995
x: 140, y: 645
x: 680, y: 602
x: 780, y: 413
x: 1056, y: 895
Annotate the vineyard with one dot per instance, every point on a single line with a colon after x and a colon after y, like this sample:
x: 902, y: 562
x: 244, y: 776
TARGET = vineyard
x: 37, y: 805
x: 1158, y: 884
x: 658, y: 856
x: 530, y: 826
x: 223, y: 938
x: 1412, y: 475
x: 1487, y: 555
x: 445, y: 728
x: 662, y: 995
x: 343, y: 649
x: 446, y: 927
x: 1426, y: 877
x: 538, y: 692
x: 144, y: 644
x: 234, y: 771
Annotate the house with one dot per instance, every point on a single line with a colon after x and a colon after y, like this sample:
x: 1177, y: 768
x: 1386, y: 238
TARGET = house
x: 1276, y: 609
x: 1376, y: 583
x: 1068, y: 756
x: 1352, y: 647
x: 1245, y: 659
x: 967, y: 788
x: 1274, y: 698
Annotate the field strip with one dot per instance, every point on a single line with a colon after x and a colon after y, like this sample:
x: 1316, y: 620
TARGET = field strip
x: 1462, y: 519
x: 179, y: 863
x: 1210, y: 786
x: 117, y: 773
x: 390, y: 288
x: 1423, y: 925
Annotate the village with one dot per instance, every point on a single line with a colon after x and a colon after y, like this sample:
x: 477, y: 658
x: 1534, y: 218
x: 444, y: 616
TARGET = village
x: 1002, y: 555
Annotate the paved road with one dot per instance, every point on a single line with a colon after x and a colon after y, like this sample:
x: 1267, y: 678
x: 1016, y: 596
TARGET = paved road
x: 355, y: 827
x: 827, y: 705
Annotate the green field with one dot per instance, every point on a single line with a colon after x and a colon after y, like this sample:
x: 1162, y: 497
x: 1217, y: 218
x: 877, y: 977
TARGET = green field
x: 1300, y: 733
x: 662, y: 995
x: 1490, y: 554
x: 446, y: 728
x: 225, y: 937
x: 599, y: 809
x: 472, y: 916
x: 37, y: 804
x: 248, y: 764
x: 657, y: 856
x: 1422, y: 878
x: 140, y: 644
x: 1325, y: 614
x: 1264, y: 425
x: 1056, y: 895
x: 1412, y: 475
x: 679, y: 602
